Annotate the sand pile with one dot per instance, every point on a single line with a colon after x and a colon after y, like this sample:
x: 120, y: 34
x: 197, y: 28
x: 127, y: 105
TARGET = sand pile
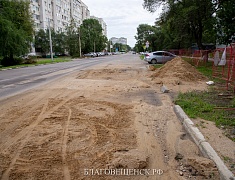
x: 178, y: 68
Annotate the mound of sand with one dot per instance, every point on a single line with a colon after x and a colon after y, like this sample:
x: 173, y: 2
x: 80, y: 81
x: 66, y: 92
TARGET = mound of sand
x: 133, y: 159
x: 178, y: 68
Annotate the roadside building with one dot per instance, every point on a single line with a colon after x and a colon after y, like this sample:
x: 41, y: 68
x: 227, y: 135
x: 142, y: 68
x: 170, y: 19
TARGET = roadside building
x: 59, y: 13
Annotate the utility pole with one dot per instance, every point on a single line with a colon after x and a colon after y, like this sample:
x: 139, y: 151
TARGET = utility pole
x: 49, y: 27
x: 79, y: 43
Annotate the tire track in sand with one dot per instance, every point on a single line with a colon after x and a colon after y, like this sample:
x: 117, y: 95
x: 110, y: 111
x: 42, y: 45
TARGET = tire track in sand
x: 38, y: 103
x: 64, y: 147
x: 27, y: 132
x: 5, y: 175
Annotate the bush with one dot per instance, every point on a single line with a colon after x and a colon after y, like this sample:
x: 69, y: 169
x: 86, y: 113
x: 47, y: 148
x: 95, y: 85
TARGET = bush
x: 76, y: 55
x: 6, y: 61
x: 30, y: 61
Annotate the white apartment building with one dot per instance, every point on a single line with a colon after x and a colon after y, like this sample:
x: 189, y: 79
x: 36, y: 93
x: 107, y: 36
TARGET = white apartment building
x: 102, y: 23
x: 58, y: 13
x: 120, y: 40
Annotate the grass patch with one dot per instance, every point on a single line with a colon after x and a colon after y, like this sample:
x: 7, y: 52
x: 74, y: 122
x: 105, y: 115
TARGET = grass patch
x: 215, y: 104
x: 55, y: 60
x: 38, y: 62
x: 204, y: 104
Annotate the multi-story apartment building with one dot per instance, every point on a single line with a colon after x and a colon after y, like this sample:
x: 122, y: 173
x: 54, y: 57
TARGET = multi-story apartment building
x: 58, y: 13
x: 120, y: 40
x: 102, y: 23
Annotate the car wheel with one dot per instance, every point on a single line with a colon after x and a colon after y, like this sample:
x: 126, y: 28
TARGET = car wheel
x: 153, y: 61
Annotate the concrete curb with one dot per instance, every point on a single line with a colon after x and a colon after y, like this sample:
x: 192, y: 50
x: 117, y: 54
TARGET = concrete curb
x: 204, y: 146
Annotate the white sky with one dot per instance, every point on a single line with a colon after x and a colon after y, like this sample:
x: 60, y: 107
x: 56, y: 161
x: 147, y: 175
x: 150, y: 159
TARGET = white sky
x: 121, y: 16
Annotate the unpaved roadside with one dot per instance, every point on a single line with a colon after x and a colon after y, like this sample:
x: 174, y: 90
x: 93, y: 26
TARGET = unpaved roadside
x: 111, y: 117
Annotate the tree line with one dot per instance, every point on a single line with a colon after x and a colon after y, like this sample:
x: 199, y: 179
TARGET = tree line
x: 74, y: 40
x: 184, y: 22
x: 18, y: 35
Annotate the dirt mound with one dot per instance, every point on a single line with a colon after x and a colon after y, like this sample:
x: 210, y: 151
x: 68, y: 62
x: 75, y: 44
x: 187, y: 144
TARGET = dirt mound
x: 109, y: 74
x: 180, y: 69
x: 132, y: 159
x: 203, y: 167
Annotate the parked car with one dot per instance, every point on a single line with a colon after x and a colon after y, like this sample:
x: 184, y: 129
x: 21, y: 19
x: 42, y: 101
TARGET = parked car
x: 101, y: 53
x: 90, y: 54
x: 158, y: 57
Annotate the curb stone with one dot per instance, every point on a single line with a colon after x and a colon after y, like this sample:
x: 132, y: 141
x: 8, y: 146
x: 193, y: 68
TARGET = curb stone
x: 204, y: 146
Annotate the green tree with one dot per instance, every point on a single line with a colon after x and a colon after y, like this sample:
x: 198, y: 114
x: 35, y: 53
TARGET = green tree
x: 121, y: 47
x: 42, y: 41
x: 226, y: 20
x: 16, y: 28
x: 146, y: 33
x: 59, y: 42
x: 72, y: 39
x: 91, y: 36
x: 128, y: 48
x: 172, y: 31
x: 186, y: 20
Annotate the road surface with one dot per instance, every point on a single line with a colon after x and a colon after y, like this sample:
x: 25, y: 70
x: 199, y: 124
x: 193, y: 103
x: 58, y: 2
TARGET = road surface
x: 14, y: 81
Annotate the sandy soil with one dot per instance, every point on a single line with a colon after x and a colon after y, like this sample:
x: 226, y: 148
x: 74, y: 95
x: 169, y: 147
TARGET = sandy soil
x: 224, y: 146
x: 99, y: 123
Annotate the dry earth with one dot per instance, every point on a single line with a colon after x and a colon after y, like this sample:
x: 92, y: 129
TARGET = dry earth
x: 111, y: 117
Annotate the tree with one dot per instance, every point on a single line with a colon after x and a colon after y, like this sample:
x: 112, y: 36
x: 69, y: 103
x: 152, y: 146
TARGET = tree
x: 121, y: 47
x: 59, y: 42
x: 42, y: 41
x: 226, y: 20
x: 146, y: 33
x: 91, y: 36
x: 128, y: 48
x: 186, y: 19
x: 16, y: 28
x: 72, y: 39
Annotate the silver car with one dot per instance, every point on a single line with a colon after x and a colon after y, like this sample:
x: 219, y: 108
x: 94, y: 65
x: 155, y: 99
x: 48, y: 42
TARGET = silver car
x: 90, y: 54
x: 158, y: 57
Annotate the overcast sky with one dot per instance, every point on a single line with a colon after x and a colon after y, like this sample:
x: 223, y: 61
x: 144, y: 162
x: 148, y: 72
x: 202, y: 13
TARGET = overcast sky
x: 121, y: 16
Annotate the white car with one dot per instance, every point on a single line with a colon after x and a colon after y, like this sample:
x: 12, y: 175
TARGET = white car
x: 158, y: 57
x: 90, y: 54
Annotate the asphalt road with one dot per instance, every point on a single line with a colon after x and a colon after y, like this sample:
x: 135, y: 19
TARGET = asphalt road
x: 15, y: 81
